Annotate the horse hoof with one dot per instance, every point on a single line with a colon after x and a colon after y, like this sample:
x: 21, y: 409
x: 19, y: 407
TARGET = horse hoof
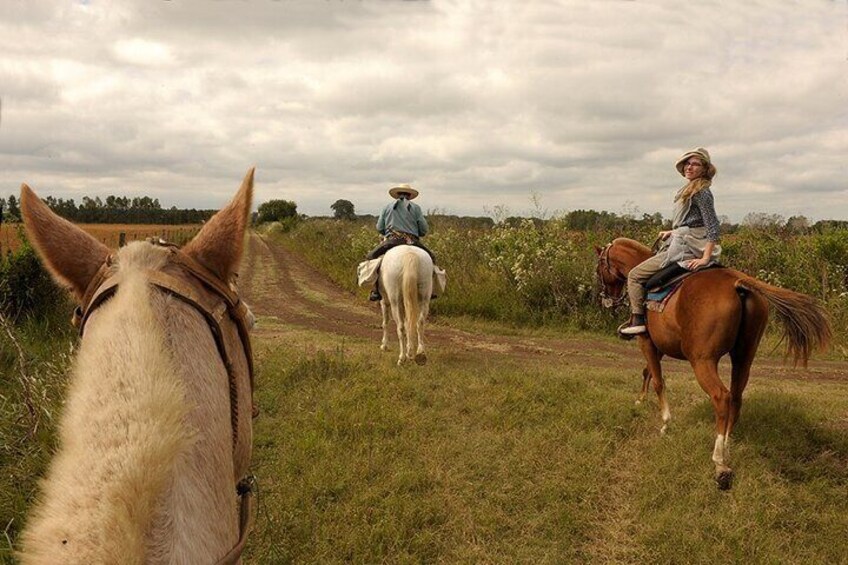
x: 420, y: 358
x: 724, y: 479
x: 663, y: 429
x: 384, y: 348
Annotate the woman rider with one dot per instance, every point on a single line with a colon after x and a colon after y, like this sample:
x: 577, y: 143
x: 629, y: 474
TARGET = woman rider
x: 693, y: 240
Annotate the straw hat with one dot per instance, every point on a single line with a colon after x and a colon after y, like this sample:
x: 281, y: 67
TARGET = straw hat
x: 701, y: 154
x: 395, y: 191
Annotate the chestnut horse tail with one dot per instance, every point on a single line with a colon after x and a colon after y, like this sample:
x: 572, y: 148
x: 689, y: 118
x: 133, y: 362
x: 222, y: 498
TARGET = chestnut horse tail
x: 410, y: 296
x: 806, y: 326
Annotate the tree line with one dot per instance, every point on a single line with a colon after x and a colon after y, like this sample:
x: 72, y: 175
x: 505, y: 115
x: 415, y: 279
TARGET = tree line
x: 146, y: 210
x: 111, y: 210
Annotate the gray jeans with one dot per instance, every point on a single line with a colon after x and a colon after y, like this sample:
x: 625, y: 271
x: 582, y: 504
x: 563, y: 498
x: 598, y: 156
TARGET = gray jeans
x: 637, y: 278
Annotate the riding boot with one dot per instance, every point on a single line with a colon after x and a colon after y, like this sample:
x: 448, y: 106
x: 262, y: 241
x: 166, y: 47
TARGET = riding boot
x: 635, y: 326
x: 375, y: 294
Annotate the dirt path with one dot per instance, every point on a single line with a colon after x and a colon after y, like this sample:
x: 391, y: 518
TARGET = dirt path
x: 281, y: 287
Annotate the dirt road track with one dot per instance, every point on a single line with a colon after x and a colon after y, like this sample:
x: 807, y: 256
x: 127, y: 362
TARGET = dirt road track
x: 278, y: 284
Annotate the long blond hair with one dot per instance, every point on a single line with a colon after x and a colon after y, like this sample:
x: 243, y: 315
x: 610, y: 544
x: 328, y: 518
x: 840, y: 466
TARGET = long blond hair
x: 697, y: 185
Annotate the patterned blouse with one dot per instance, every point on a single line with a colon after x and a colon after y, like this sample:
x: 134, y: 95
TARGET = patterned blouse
x: 702, y: 214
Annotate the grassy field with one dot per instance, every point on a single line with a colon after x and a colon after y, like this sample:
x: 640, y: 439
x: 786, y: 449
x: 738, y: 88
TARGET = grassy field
x: 490, y: 459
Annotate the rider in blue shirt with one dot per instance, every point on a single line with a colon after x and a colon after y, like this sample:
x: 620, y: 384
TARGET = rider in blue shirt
x: 400, y: 223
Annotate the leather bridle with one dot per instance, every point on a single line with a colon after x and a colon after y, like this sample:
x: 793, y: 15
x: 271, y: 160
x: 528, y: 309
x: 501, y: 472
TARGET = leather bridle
x: 217, y: 302
x: 607, y: 300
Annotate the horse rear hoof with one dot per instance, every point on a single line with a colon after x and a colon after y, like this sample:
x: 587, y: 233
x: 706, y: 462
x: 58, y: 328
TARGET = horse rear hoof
x: 420, y: 358
x: 724, y: 480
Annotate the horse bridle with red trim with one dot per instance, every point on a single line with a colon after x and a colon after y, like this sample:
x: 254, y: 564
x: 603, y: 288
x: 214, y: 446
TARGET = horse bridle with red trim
x: 606, y: 300
x: 224, y: 302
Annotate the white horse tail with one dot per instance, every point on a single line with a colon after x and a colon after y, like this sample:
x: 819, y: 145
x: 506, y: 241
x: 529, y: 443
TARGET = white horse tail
x: 410, y: 296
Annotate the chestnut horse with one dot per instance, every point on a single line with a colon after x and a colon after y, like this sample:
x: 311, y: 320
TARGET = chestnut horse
x: 713, y: 313
x: 155, y: 433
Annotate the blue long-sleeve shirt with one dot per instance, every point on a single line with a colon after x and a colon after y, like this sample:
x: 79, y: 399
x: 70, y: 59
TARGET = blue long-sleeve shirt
x: 404, y: 216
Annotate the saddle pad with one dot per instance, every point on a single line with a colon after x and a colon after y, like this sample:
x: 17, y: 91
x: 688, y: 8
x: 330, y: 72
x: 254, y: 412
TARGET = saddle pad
x: 656, y: 301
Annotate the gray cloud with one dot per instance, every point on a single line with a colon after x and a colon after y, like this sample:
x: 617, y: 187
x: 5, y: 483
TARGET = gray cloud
x: 585, y: 104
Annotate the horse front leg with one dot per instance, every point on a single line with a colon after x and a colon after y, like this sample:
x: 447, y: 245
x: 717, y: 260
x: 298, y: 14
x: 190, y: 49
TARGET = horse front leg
x: 646, y: 382
x: 706, y: 371
x: 653, y: 356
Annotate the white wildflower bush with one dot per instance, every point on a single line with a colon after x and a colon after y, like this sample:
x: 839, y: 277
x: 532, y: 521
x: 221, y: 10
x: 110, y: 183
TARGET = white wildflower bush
x: 541, y: 265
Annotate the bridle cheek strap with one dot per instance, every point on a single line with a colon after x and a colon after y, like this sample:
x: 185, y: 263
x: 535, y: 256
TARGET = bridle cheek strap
x: 605, y: 260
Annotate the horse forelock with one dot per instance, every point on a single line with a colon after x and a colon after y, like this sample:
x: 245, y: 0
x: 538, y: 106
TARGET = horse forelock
x: 140, y: 255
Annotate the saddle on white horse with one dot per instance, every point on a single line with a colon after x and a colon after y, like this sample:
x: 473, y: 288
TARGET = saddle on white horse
x: 367, y: 273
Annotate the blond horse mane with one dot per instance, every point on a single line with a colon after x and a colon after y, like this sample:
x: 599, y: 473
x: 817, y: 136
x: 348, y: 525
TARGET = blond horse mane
x: 146, y: 466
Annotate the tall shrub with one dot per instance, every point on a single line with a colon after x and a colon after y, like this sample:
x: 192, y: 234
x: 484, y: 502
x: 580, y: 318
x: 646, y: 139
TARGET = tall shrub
x: 26, y: 289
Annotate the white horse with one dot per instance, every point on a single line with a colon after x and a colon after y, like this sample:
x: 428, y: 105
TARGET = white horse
x: 406, y: 283
x: 156, y: 429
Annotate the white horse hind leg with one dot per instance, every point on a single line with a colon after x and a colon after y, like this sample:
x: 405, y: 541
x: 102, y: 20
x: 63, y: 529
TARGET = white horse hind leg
x: 384, y: 345
x: 397, y: 314
x: 420, y: 356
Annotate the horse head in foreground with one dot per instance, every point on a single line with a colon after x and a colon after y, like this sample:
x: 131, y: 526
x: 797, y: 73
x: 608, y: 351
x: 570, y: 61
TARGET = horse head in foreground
x: 406, y: 281
x: 714, y: 312
x: 155, y: 434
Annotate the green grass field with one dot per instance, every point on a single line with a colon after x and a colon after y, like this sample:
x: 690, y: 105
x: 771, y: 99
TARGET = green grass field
x: 488, y: 459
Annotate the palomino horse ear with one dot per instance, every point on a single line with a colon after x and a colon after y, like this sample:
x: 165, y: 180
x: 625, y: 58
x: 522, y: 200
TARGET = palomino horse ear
x: 218, y: 246
x: 72, y: 256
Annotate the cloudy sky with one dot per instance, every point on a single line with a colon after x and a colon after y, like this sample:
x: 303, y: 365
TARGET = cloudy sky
x: 569, y: 104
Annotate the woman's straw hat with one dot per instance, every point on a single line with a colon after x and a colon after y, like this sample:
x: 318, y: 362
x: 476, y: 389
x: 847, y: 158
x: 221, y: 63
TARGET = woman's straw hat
x: 701, y: 154
x: 397, y: 189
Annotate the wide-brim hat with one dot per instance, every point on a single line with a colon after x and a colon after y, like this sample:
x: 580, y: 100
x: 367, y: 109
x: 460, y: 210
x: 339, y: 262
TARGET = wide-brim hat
x: 395, y: 191
x: 701, y: 154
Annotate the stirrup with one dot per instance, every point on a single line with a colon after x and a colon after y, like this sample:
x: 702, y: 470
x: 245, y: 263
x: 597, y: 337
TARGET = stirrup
x: 634, y: 326
x: 633, y: 330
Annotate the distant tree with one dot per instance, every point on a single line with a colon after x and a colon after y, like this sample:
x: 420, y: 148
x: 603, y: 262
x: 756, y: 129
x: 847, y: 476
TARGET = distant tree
x: 276, y: 210
x: 824, y: 225
x: 13, y: 207
x: 797, y: 224
x: 343, y: 210
x: 762, y: 220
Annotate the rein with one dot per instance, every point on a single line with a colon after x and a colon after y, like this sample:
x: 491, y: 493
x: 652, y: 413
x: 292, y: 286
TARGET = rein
x: 607, y: 300
x: 224, y: 302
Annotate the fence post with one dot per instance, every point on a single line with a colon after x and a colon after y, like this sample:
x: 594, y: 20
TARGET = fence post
x: 122, y: 239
